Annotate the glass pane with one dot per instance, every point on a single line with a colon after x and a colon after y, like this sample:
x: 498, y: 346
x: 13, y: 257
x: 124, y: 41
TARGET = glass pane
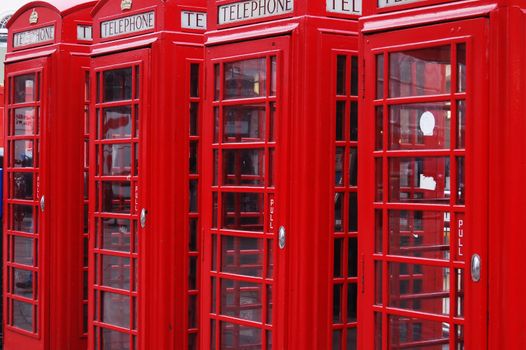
x: 243, y: 211
x: 459, y: 281
x: 338, y: 212
x: 116, y: 234
x: 115, y: 309
x: 378, y: 228
x: 352, y: 263
x: 23, y: 154
x: 461, y: 181
x: 379, y: 128
x: 269, y: 304
x: 353, y: 212
x: 192, y: 273
x: 116, y: 197
x: 340, y: 120
x: 116, y: 272
x: 23, y: 283
x: 354, y: 76
x: 194, y: 80
x: 118, y: 85
x: 351, y: 339
x: 337, y: 303
x: 338, y: 257
x: 423, y: 234
x: 192, y: 311
x: 193, y: 158
x: 116, y: 122
x: 461, y: 124
x: 241, y: 300
x: 25, y: 87
x: 353, y: 167
x: 354, y: 121
x: 245, y: 123
x: 420, y: 126
x: 378, y: 276
x: 114, y: 340
x: 352, y: 300
x: 336, y: 340
x: 23, y: 218
x: 242, y: 255
x: 194, y: 116
x: 461, y: 67
x: 380, y: 76
x: 117, y: 160
x: 217, y: 81
x: 379, y: 167
x: 23, y: 315
x: 419, y: 180
x: 235, y: 336
x: 192, y: 242
x: 244, y: 167
x: 418, y: 287
x: 415, y: 333
x: 23, y: 186
x: 244, y: 79
x: 420, y: 72
x: 459, y: 337
x: 23, y: 250
x: 341, y: 75
x: 340, y: 159
x: 273, y: 76
x: 25, y: 123
x: 193, y: 196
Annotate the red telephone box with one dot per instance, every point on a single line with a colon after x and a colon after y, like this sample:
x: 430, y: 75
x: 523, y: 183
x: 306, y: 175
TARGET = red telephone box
x: 44, y: 275
x: 280, y: 175
x: 146, y: 74
x: 2, y: 116
x: 439, y: 212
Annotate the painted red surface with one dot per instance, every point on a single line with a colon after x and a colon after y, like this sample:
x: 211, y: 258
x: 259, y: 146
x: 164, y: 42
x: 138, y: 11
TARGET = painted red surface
x: 2, y: 116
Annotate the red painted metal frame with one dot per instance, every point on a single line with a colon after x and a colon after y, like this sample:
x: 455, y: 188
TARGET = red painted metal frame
x: 2, y: 102
x: 58, y: 176
x: 475, y: 34
x: 165, y: 291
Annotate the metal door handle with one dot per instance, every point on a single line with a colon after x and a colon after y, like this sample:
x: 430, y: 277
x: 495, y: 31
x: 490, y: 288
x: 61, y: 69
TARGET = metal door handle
x: 282, y: 237
x: 42, y: 203
x: 144, y: 213
x: 475, y: 268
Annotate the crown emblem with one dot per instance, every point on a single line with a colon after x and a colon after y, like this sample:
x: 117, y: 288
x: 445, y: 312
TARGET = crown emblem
x: 33, y: 19
x: 126, y: 5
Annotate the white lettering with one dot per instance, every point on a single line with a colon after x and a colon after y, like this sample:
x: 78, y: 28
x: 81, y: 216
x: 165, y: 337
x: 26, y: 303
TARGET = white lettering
x: 193, y: 20
x: 253, y: 9
x: 127, y: 25
x: 387, y: 3
x: 35, y: 36
x: 84, y: 32
x: 350, y: 7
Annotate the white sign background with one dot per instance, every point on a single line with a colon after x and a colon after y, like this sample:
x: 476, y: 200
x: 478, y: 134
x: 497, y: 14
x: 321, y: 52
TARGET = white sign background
x: 35, y: 36
x: 127, y: 25
x: 350, y: 7
x: 193, y: 20
x: 387, y: 3
x: 253, y: 9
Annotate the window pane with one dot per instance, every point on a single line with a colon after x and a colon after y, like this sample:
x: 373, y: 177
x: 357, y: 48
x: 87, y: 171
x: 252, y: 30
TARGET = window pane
x: 243, y: 79
x: 116, y: 272
x: 461, y: 67
x: 23, y: 315
x: 23, y: 250
x: 341, y: 75
x: 235, y: 336
x: 243, y: 211
x: 461, y: 124
x: 23, y: 186
x: 23, y: 154
x: 23, y: 283
x: 115, y: 309
x: 118, y: 85
x: 116, y: 197
x: 380, y: 76
x: 23, y: 218
x: 116, y: 234
x: 242, y: 255
x: 420, y: 72
x: 420, y: 126
x: 245, y: 123
x: 340, y: 120
x: 194, y: 80
x: 25, y: 123
x: 241, y: 300
x: 115, y: 340
x: 406, y: 331
x: 25, y: 88
x: 244, y: 167
x: 116, y: 122
x: 117, y: 160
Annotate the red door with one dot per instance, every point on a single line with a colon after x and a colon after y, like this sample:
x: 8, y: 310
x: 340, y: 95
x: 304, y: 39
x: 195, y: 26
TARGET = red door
x: 243, y: 195
x: 118, y: 217
x: 25, y: 258
x: 425, y: 207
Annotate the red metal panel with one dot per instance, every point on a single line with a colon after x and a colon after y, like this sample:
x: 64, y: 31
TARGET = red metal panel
x: 2, y: 116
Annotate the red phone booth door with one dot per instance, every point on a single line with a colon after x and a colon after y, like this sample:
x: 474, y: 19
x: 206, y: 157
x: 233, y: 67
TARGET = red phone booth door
x: 243, y: 145
x: 117, y: 162
x: 426, y: 108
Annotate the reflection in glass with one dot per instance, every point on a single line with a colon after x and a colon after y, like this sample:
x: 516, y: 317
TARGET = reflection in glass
x: 235, y: 336
x: 459, y: 281
x: 193, y: 196
x: 337, y: 303
x: 340, y: 120
x: 461, y: 67
x: 337, y: 340
x: 273, y: 76
x: 338, y: 255
x: 419, y: 287
x: 406, y: 331
x: 192, y: 273
x: 23, y: 186
x: 23, y: 315
x: 22, y: 283
x: 461, y: 124
x: 420, y: 126
x: 242, y: 255
x: 117, y: 159
x: 352, y: 263
x: 241, y: 300
x: 194, y: 80
x: 354, y: 76
x: 353, y: 167
x: 353, y: 212
x: 194, y: 116
x: 244, y: 123
x: 116, y: 122
x: 380, y: 76
x: 115, y: 340
x: 116, y: 272
x: 244, y: 167
x: 420, y: 72
x: 244, y: 79
x: 341, y: 75
x: 379, y: 128
x: 116, y: 197
x: 23, y: 250
x: 23, y: 218
x: 115, y: 309
x: 423, y: 234
x: 419, y: 180
x: 116, y: 234
x: 352, y: 299
x: 25, y: 122
x: 23, y: 154
x: 243, y: 211
x: 118, y: 85
x: 354, y: 121
x: 338, y: 212
x: 378, y: 231
x: 193, y: 158
x: 25, y: 87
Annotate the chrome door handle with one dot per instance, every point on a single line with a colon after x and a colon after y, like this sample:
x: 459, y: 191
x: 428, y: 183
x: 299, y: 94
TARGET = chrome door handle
x: 42, y: 203
x: 144, y: 213
x: 282, y: 237
x: 475, y: 268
